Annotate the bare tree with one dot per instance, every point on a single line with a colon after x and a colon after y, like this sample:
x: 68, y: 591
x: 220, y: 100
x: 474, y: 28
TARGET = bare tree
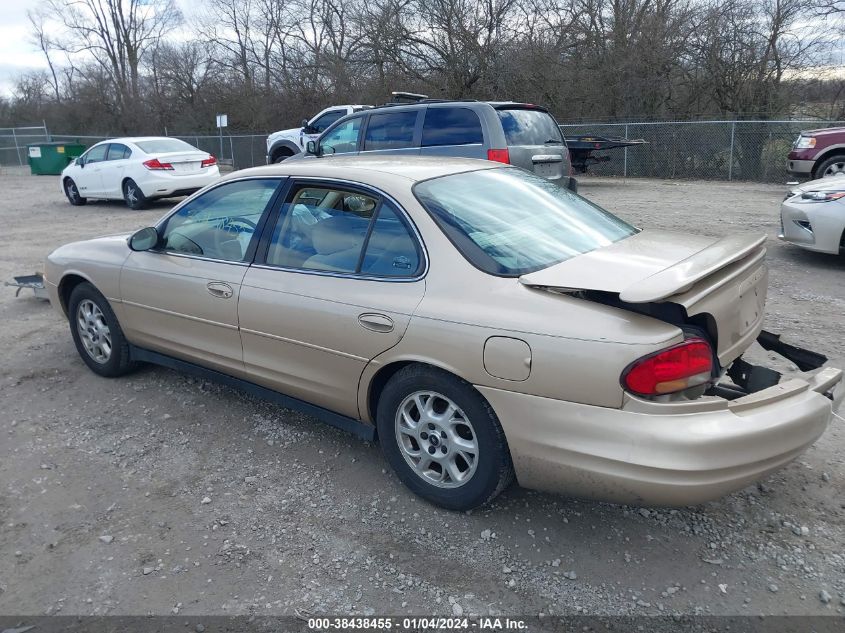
x: 116, y: 34
x: 38, y: 20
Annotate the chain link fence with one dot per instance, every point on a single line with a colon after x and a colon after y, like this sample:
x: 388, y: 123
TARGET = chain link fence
x: 240, y: 151
x: 703, y: 150
x: 13, y: 142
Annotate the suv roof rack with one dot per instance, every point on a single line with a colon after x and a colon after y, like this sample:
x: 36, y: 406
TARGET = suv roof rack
x: 394, y: 104
x: 410, y: 97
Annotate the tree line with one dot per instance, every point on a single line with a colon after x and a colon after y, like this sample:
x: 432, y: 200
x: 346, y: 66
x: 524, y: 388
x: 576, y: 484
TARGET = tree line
x: 140, y: 66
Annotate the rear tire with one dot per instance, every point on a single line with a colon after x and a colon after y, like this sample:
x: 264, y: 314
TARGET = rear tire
x: 442, y: 438
x: 833, y: 166
x: 72, y: 193
x: 97, y: 334
x: 133, y: 196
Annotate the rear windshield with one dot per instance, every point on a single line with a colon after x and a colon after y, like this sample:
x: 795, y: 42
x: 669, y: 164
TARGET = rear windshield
x: 530, y: 127
x: 164, y: 145
x: 509, y: 222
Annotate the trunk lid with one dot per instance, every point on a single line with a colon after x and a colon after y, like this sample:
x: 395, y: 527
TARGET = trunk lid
x: 184, y: 163
x: 722, y: 280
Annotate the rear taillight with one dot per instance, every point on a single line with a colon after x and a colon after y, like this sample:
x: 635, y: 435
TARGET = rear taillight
x: 156, y: 165
x: 209, y: 162
x: 674, y: 369
x: 499, y: 156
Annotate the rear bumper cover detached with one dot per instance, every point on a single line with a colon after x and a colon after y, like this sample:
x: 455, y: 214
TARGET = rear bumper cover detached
x: 673, y: 454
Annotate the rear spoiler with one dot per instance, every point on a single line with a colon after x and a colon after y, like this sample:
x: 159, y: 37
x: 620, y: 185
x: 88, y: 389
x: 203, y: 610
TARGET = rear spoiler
x: 681, y: 276
x: 648, y: 266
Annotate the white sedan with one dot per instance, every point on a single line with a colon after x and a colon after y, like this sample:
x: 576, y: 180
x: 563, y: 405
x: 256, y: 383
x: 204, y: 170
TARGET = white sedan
x: 812, y: 215
x: 137, y: 170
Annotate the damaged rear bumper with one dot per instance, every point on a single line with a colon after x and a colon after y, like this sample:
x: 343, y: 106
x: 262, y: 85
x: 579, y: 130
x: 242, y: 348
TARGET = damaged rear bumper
x: 673, y: 453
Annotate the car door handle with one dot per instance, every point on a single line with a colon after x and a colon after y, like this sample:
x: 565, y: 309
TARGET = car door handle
x: 376, y: 322
x: 219, y: 289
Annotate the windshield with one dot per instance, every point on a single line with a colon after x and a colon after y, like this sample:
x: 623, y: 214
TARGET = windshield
x: 165, y: 145
x: 510, y: 222
x: 530, y: 127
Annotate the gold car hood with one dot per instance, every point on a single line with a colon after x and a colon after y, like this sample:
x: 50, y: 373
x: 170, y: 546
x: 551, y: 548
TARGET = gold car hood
x: 648, y: 266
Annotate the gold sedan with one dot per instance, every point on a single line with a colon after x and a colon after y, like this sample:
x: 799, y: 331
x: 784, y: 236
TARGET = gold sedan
x: 479, y: 321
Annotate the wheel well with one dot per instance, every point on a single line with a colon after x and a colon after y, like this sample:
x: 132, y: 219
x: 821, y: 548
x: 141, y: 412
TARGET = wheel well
x: 378, y: 383
x: 66, y: 286
x: 836, y: 151
x: 383, y: 375
x: 281, y: 150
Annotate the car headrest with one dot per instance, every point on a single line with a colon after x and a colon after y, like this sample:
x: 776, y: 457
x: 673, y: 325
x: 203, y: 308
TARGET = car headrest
x: 336, y: 234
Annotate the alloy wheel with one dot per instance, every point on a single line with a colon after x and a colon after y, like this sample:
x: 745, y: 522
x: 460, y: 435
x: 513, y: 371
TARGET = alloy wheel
x: 72, y: 191
x: 836, y: 169
x: 436, y: 439
x: 131, y: 196
x: 94, y: 331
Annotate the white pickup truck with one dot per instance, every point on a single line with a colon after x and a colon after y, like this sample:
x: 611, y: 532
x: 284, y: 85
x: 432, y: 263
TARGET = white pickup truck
x: 286, y: 143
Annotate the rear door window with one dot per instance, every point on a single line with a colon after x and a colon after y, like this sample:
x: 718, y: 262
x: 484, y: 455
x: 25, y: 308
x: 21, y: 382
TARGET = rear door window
x: 118, y: 151
x: 530, y: 127
x: 337, y: 230
x: 451, y: 126
x: 390, y: 130
x: 391, y: 251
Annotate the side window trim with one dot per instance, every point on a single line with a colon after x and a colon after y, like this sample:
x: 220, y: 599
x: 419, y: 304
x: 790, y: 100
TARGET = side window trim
x: 366, y: 241
x: 269, y: 225
x: 252, y: 249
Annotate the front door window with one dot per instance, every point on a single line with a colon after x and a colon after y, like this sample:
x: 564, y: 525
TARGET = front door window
x: 221, y: 223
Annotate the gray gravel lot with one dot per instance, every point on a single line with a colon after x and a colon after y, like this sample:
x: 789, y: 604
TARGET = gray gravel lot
x: 103, y: 482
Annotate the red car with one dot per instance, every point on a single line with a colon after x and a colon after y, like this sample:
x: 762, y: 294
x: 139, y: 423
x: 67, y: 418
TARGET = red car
x: 818, y: 153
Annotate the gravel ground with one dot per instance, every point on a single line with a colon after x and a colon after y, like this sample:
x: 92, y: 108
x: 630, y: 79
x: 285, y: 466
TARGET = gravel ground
x: 160, y: 493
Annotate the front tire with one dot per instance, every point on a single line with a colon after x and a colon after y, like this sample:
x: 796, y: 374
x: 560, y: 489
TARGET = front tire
x: 72, y: 193
x: 133, y: 196
x: 97, y: 334
x: 442, y: 438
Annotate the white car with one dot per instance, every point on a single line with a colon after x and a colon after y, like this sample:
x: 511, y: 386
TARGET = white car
x: 283, y: 144
x: 812, y: 215
x: 137, y: 170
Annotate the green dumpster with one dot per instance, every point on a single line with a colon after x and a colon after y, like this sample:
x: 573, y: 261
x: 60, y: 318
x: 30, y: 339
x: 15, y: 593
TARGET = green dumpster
x: 51, y: 158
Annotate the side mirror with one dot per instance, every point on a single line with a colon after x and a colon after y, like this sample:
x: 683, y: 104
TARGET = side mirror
x: 80, y: 161
x: 311, y: 148
x: 144, y: 240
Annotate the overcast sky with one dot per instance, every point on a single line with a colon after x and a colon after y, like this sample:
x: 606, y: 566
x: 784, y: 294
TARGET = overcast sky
x: 17, y: 52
